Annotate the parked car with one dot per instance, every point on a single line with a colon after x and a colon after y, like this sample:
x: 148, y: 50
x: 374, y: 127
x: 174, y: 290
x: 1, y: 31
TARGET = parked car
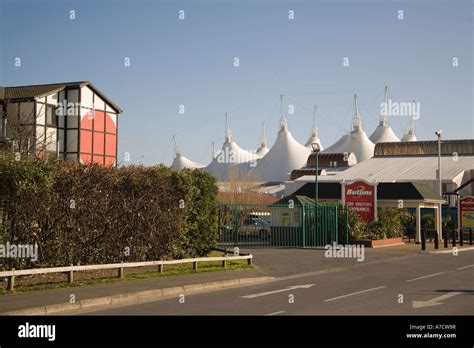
x: 252, y: 228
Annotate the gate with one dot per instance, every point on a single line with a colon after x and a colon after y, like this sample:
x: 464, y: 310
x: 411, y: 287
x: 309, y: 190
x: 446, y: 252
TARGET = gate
x: 281, y: 225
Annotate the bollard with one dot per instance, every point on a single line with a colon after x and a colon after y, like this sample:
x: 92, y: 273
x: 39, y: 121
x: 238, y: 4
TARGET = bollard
x: 445, y: 238
x: 454, y: 237
x: 470, y: 236
x: 423, y: 240
x: 70, y: 277
x: 11, y: 281
x: 160, y: 268
x: 436, y: 241
x: 195, y: 265
x: 224, y: 263
x: 249, y: 261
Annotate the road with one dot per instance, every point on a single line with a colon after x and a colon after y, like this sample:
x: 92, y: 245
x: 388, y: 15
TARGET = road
x: 412, y: 284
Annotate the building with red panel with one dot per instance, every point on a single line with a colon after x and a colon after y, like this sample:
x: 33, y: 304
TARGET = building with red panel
x: 72, y: 120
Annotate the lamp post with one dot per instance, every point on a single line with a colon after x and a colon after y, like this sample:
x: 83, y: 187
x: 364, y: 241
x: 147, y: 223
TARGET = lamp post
x: 316, y: 150
x: 440, y: 187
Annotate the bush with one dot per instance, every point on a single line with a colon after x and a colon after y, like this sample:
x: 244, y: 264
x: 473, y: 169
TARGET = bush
x: 92, y: 214
x: 390, y: 224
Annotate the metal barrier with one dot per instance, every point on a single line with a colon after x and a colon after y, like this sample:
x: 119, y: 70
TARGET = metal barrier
x: 281, y: 225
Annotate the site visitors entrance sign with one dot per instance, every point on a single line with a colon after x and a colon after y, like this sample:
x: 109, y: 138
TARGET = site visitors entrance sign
x: 466, y: 213
x: 361, y: 197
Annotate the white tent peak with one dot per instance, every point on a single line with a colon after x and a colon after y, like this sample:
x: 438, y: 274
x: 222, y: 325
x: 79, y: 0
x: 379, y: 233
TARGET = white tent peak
x: 410, y: 134
x: 383, y: 133
x: 180, y: 161
x: 314, y: 137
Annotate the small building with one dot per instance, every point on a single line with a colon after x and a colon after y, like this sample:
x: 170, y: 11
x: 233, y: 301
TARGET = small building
x: 71, y: 120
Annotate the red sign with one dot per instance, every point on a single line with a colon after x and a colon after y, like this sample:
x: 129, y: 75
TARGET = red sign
x: 361, y: 198
x: 466, y: 212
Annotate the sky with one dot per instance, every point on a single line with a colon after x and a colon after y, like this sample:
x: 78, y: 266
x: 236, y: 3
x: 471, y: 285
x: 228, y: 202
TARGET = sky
x: 190, y: 62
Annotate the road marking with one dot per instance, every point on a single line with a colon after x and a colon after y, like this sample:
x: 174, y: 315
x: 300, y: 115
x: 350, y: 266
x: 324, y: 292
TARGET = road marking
x: 277, y: 291
x: 460, y: 268
x: 434, y: 301
x: 275, y: 313
x: 354, y: 293
x: 428, y: 276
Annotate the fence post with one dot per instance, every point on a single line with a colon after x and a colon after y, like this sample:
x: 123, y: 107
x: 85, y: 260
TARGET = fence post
x: 224, y: 263
x: 423, y: 240
x: 120, y: 271
x: 11, y: 281
x: 249, y: 261
x: 195, y: 265
x: 470, y: 236
x: 70, y: 278
x: 347, y: 224
x: 454, y: 237
x: 160, y: 267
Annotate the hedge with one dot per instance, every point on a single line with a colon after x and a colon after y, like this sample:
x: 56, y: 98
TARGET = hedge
x: 91, y: 214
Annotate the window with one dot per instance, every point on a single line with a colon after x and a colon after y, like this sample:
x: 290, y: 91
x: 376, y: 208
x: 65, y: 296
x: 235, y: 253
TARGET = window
x: 51, y: 117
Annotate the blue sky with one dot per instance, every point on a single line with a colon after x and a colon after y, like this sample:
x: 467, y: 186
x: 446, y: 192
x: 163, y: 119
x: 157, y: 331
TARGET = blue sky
x: 190, y: 62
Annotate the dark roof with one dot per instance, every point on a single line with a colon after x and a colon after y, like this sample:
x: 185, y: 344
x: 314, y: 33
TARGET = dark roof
x: 385, y: 190
x: 326, y: 190
x: 297, y: 199
x: 37, y: 91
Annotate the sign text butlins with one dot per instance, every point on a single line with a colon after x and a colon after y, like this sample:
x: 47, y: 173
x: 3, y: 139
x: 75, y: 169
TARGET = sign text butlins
x: 361, y: 197
x: 466, y: 213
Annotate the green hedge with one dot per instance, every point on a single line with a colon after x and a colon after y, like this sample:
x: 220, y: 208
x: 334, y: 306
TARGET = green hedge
x: 91, y: 214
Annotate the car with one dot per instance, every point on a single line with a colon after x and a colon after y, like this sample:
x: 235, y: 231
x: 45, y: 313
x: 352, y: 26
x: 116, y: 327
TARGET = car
x: 251, y: 228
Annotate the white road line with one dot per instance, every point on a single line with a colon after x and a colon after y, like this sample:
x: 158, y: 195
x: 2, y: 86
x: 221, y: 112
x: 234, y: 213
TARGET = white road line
x: 354, y: 293
x: 275, y: 313
x: 307, y: 286
x: 428, y: 276
x: 460, y: 268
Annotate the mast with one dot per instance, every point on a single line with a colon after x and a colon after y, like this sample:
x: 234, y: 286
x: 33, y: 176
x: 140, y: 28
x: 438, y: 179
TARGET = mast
x: 263, y: 138
x: 177, y: 149
x: 283, y: 120
x: 314, y: 131
x: 384, y: 115
x: 228, y: 132
x: 357, y: 124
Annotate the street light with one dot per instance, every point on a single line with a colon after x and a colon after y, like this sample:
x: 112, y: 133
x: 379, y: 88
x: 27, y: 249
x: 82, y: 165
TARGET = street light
x: 440, y: 187
x: 316, y: 149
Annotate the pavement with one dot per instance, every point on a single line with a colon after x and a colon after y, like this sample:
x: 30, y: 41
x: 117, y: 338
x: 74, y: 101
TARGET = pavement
x: 317, y: 284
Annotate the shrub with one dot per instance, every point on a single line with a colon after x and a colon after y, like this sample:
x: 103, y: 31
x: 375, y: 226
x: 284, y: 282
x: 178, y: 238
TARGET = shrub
x: 93, y: 214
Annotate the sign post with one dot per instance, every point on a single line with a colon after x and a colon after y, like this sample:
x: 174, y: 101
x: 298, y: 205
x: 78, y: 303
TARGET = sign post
x: 466, y: 214
x: 360, y: 196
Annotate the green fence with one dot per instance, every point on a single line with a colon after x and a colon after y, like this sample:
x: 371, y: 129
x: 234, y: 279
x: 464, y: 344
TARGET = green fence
x: 281, y: 225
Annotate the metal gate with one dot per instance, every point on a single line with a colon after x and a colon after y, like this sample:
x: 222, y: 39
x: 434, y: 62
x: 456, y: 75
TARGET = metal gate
x: 281, y: 225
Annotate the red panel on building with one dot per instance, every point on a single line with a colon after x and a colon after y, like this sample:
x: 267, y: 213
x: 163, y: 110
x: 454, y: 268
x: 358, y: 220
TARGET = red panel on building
x: 361, y: 198
x: 109, y: 161
x: 99, y: 121
x: 110, y: 125
x: 86, y: 159
x: 86, y: 141
x: 98, y: 143
x: 110, y: 144
x: 98, y: 159
x: 86, y: 121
